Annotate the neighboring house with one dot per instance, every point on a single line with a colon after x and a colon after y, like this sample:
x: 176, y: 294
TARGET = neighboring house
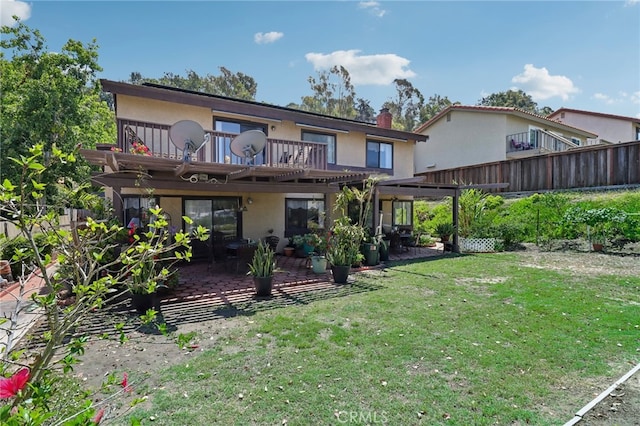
x: 609, y: 128
x: 468, y: 135
x: 287, y: 188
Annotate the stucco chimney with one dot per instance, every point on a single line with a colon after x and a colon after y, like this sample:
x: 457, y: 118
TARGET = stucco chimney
x: 384, y: 118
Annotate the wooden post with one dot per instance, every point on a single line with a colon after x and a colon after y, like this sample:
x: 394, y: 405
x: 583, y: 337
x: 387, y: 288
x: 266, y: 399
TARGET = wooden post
x: 456, y: 246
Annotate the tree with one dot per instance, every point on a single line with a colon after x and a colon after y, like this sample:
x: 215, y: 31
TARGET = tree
x: 88, y: 267
x: 233, y: 85
x: 365, y: 111
x: 334, y: 98
x: 515, y: 99
x: 50, y: 98
x: 434, y: 106
x: 406, y: 106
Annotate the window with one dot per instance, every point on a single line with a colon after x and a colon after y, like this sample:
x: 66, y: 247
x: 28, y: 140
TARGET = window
x: 222, y: 144
x: 638, y: 133
x: 577, y: 141
x: 402, y: 213
x: 303, y: 215
x: 327, y: 139
x: 137, y: 208
x: 379, y: 155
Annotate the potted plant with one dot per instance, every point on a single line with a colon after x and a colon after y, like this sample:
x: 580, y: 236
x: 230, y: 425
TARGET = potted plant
x: 600, y: 222
x: 143, y: 283
x: 344, y: 248
x: 318, y: 255
x: 444, y: 231
x: 261, y: 268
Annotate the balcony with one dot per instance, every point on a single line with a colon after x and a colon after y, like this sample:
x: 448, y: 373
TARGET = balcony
x: 535, y: 142
x: 277, y: 152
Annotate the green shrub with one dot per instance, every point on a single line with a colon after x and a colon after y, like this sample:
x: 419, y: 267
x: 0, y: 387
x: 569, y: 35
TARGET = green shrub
x: 19, y: 252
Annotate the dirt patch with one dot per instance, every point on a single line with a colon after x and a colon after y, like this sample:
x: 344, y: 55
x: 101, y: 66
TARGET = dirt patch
x: 620, y: 408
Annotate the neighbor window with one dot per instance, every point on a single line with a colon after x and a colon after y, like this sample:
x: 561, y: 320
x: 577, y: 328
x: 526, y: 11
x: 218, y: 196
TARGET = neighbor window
x: 379, y: 155
x: 402, y: 213
x: 324, y: 138
x: 302, y: 216
x: 137, y: 208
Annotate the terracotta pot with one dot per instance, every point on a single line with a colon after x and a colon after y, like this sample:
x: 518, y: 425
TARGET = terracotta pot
x: 288, y: 251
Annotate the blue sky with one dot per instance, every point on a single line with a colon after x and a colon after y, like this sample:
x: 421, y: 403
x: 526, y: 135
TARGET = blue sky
x: 582, y: 55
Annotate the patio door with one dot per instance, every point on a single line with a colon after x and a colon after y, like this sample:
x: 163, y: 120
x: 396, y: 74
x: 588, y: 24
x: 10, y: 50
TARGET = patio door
x: 218, y: 215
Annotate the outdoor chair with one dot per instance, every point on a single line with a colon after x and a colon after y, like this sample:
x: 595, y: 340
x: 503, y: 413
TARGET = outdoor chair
x: 238, y: 262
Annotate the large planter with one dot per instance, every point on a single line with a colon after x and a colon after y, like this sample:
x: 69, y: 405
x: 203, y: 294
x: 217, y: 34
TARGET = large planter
x: 318, y: 264
x: 370, y: 252
x: 142, y: 302
x: 263, y: 286
x: 383, y: 251
x: 340, y: 273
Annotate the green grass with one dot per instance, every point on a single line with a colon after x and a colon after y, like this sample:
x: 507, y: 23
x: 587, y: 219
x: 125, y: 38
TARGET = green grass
x: 459, y: 340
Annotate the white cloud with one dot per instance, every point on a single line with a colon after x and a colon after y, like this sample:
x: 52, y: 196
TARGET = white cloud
x: 635, y: 97
x: 605, y: 98
x: 373, y: 7
x: 9, y: 8
x: 630, y: 3
x: 265, y: 38
x: 541, y: 85
x: 364, y: 69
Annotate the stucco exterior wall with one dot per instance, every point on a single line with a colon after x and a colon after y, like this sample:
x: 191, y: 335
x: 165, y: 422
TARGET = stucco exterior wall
x: 606, y: 128
x: 134, y: 108
x: 469, y: 138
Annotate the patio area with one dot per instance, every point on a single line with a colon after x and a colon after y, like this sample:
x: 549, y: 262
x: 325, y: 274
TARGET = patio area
x: 211, y: 285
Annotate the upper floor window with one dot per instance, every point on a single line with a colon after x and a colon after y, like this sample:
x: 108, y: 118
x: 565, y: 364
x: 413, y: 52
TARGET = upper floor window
x: 379, y: 155
x: 302, y: 215
x: 324, y: 138
x: 577, y: 141
x: 223, y: 152
x: 638, y: 133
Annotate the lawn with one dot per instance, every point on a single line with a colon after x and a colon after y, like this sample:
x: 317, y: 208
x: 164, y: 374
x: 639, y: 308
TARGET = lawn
x: 464, y: 340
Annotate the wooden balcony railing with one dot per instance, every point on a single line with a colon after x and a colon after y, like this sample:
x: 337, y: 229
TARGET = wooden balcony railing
x: 277, y: 152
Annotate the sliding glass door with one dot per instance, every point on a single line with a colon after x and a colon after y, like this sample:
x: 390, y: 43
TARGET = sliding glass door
x: 218, y: 214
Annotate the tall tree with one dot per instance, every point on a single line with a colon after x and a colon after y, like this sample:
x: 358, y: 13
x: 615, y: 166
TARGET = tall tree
x: 436, y: 104
x: 365, y: 111
x: 515, y: 99
x: 406, y: 106
x: 233, y: 85
x: 331, y: 97
x: 50, y: 98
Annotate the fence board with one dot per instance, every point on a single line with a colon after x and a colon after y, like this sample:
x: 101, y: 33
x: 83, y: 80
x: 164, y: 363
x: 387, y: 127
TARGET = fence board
x: 592, y: 166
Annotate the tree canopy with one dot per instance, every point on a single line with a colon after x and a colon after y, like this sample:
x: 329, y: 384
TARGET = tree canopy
x: 50, y: 98
x: 233, y: 85
x: 515, y: 99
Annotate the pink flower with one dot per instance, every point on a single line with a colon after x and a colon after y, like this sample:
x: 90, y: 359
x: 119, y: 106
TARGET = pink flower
x: 98, y: 417
x: 10, y: 386
x: 125, y: 383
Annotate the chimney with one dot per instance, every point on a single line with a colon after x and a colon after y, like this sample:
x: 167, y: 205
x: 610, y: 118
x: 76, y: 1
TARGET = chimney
x: 384, y: 118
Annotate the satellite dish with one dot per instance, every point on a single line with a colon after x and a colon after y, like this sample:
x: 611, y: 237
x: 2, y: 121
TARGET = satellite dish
x: 188, y: 136
x: 248, y: 144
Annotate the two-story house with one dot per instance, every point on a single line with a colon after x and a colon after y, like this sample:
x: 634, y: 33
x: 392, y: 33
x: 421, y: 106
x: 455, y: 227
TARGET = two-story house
x: 609, y: 128
x: 287, y: 187
x: 461, y: 136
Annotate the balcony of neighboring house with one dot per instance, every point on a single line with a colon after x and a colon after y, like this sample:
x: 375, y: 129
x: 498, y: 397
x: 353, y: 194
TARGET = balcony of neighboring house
x: 277, y: 152
x: 535, y: 142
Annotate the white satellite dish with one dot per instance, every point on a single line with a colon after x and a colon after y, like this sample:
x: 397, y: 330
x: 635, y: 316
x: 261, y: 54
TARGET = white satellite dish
x: 188, y: 136
x: 248, y: 144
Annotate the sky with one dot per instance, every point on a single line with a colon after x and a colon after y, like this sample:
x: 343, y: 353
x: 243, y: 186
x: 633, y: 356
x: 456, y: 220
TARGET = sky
x: 575, y: 54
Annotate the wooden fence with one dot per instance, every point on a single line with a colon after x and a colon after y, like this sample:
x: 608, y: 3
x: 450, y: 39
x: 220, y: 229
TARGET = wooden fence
x: 591, y: 166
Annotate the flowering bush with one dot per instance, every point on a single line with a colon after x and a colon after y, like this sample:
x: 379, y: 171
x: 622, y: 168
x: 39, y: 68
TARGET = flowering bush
x: 139, y: 148
x: 116, y: 149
